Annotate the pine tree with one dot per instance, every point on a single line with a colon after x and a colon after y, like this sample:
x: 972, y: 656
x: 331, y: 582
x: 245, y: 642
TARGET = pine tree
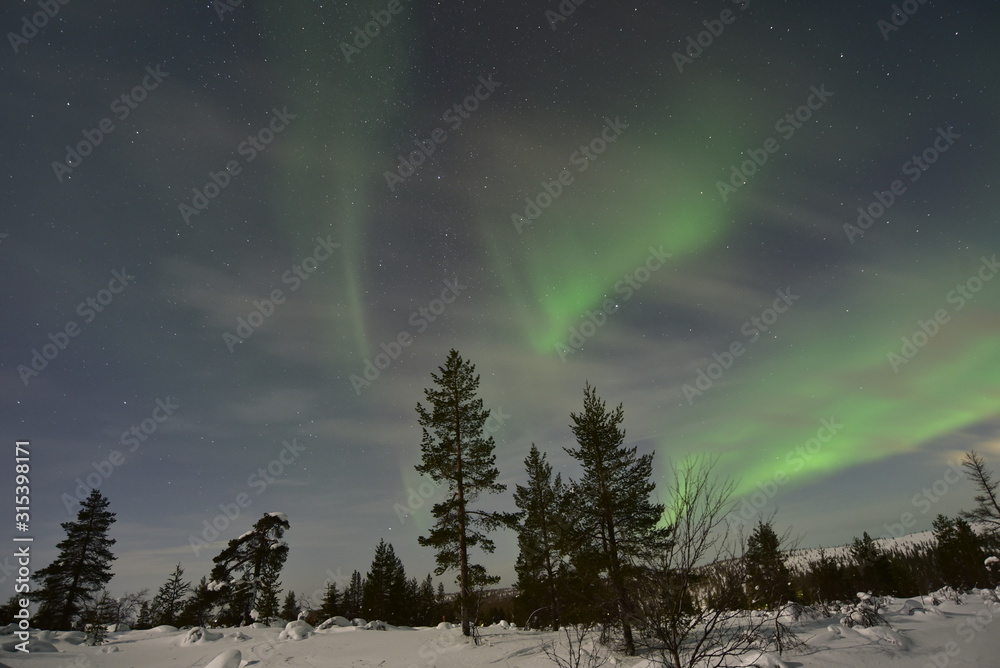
x: 82, y: 568
x: 290, y: 608
x: 767, y: 577
x: 541, y: 536
x: 331, y: 601
x: 250, y: 565
x: 616, y: 515
x: 384, y: 594
x: 458, y: 454
x: 169, y: 599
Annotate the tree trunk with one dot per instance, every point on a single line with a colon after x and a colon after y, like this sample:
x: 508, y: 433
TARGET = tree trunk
x: 463, y: 548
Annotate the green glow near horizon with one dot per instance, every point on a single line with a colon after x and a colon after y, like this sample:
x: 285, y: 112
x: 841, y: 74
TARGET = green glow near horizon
x: 840, y: 370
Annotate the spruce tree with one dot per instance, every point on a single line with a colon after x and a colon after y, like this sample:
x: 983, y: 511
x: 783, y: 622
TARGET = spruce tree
x: 616, y: 515
x: 198, y: 609
x: 243, y: 570
x: 331, y: 601
x: 290, y: 607
x: 541, y: 536
x: 458, y: 454
x: 426, y: 604
x: 352, y: 596
x: 384, y: 594
x: 82, y: 568
x: 767, y: 577
x: 169, y: 599
x: 145, y: 618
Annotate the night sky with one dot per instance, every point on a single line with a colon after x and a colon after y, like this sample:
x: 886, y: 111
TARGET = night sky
x: 217, y: 219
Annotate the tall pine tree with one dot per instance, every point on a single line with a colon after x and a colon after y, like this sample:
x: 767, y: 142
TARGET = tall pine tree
x: 616, y: 515
x: 82, y: 568
x: 458, y: 454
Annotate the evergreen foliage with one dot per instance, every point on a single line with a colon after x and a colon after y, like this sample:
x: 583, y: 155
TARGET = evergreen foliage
x: 81, y: 569
x: 457, y: 453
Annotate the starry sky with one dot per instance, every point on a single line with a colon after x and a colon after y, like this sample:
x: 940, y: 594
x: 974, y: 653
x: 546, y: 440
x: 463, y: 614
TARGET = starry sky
x: 237, y: 239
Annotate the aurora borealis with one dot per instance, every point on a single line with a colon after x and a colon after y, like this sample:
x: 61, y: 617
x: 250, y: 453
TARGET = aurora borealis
x: 770, y: 233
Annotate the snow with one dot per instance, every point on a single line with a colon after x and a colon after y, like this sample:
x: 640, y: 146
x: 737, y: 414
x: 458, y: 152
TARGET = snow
x: 952, y: 634
x: 231, y: 658
x: 298, y: 630
x: 281, y: 516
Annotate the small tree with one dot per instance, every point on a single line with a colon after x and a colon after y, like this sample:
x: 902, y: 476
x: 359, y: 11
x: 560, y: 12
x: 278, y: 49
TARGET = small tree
x: 426, y: 603
x: 169, y: 599
x: 82, y: 568
x: 874, y: 567
x: 145, y: 619
x: 768, y: 578
x: 244, y: 569
x: 384, y: 594
x: 331, y: 601
x: 199, y: 609
x: 290, y: 608
x: 352, y: 596
x: 987, y: 510
x: 267, y: 608
x: 457, y: 453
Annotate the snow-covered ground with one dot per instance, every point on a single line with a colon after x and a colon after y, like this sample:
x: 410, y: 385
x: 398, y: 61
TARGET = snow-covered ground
x: 950, y: 635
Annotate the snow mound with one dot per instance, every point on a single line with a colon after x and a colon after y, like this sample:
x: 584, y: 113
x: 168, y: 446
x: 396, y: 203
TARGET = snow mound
x: 198, y: 635
x: 297, y: 630
x: 110, y: 649
x: 357, y: 621
x: 34, y: 645
x: 910, y: 606
x: 336, y: 620
x: 164, y: 628
x: 231, y: 658
x: 72, y: 637
x: 885, y: 634
x: 239, y: 635
x: 444, y: 626
x: 377, y: 625
x: 260, y: 625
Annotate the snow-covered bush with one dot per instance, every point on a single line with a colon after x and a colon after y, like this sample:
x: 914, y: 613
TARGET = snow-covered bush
x: 864, y: 613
